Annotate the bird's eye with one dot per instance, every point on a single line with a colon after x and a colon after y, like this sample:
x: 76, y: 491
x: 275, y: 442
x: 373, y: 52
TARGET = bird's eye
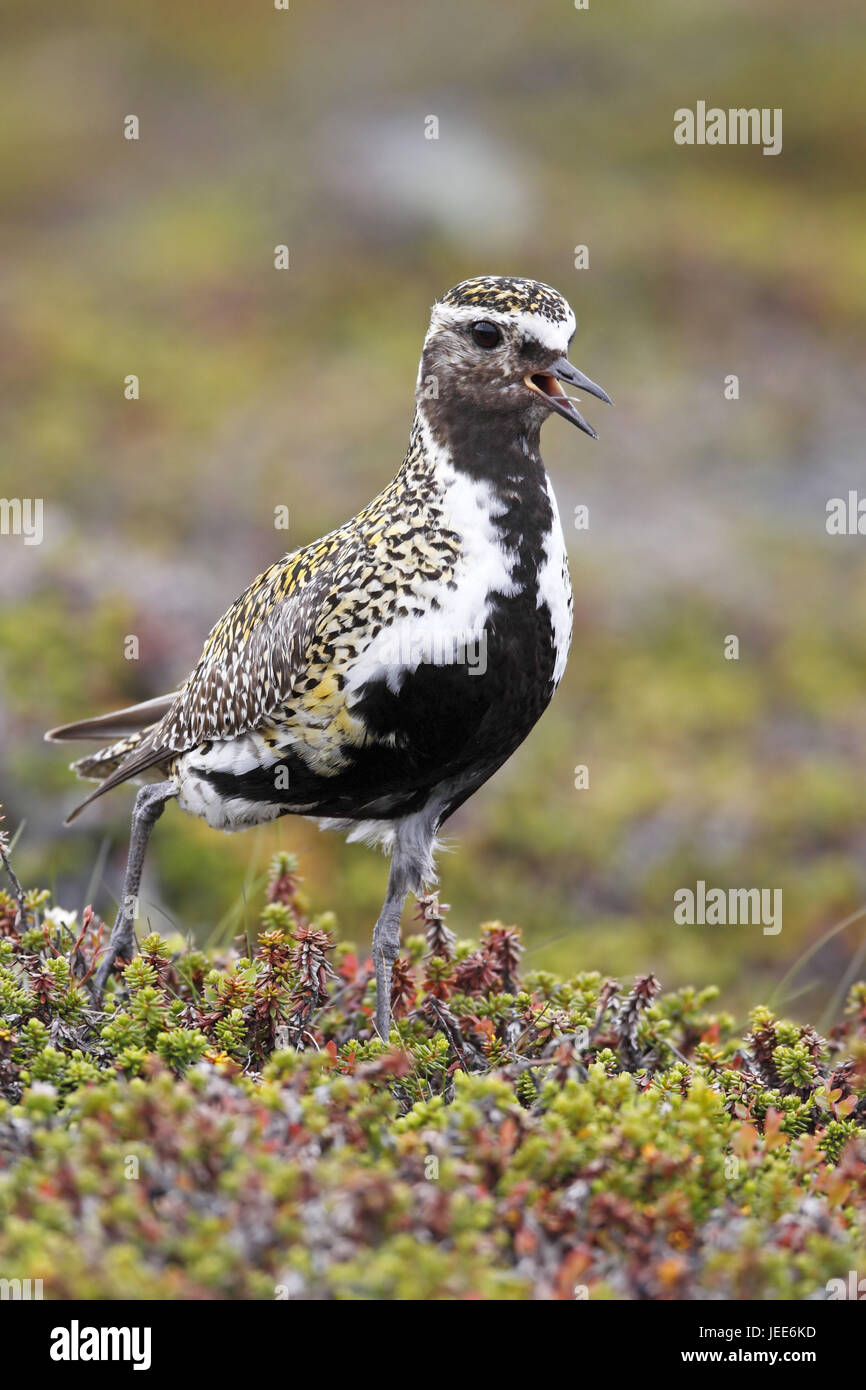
x: 486, y: 335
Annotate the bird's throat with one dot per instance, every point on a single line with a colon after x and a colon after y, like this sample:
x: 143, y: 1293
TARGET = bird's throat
x: 501, y: 448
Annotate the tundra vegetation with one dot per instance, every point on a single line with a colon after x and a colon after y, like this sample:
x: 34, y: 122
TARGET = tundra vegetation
x: 229, y: 1125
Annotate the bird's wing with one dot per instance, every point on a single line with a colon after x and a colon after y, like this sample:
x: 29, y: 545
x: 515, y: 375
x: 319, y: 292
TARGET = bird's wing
x: 253, y: 654
x: 249, y: 661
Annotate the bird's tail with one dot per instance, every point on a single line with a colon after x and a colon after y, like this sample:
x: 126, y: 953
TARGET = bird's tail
x: 95, y: 767
x: 117, y: 724
x: 128, y: 729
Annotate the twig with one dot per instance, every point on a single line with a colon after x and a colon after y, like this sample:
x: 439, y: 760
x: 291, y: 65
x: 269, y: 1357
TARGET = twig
x: 530, y: 1025
x: 17, y: 890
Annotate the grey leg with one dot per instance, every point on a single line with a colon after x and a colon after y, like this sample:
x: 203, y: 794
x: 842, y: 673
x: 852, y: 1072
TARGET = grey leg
x: 411, y: 868
x: 149, y: 806
x: 386, y: 943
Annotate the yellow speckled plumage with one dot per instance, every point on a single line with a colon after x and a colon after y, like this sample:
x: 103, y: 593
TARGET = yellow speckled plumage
x: 508, y: 294
x: 281, y: 651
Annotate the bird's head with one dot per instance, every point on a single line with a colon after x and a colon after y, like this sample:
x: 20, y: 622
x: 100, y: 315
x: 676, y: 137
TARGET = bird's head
x: 498, y: 346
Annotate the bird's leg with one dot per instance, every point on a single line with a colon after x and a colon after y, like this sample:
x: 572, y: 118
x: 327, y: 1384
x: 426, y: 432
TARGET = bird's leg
x: 386, y: 943
x: 411, y: 867
x: 149, y: 806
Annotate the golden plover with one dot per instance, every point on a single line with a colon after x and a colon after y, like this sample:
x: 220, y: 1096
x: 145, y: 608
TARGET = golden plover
x: 375, y: 679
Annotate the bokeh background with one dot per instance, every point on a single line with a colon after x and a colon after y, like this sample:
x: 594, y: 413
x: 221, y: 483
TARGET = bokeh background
x: 260, y: 388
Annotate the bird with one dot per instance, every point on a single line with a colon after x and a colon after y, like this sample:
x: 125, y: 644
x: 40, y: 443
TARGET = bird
x: 375, y: 679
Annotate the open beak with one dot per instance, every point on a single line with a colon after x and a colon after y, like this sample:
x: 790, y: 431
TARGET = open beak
x: 546, y: 384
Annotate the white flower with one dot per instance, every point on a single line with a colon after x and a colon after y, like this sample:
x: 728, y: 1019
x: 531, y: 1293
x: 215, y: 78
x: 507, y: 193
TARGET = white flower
x: 59, y: 917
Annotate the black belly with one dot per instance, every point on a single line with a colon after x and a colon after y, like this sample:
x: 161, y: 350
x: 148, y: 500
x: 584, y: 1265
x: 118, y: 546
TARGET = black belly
x: 443, y: 728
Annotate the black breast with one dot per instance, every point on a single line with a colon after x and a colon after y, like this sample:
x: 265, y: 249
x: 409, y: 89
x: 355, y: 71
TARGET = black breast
x: 446, y: 725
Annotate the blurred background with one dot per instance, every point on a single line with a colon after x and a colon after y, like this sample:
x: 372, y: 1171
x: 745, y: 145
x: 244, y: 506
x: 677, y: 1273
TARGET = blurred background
x: 262, y: 388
